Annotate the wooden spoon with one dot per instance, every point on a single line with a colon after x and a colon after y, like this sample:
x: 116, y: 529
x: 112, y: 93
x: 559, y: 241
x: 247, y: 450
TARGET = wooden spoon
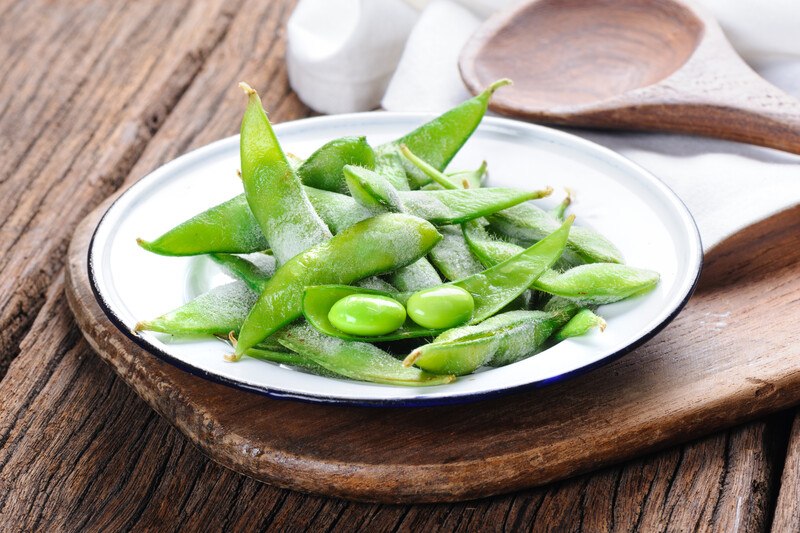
x: 633, y: 64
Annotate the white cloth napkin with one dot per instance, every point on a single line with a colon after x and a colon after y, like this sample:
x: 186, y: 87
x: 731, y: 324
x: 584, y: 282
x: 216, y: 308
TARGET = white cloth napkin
x: 727, y: 186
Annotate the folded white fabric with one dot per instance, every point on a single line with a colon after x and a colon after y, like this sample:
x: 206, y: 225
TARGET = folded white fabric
x: 727, y: 186
x: 341, y: 53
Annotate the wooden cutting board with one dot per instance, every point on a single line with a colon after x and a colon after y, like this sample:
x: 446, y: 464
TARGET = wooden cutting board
x: 731, y: 355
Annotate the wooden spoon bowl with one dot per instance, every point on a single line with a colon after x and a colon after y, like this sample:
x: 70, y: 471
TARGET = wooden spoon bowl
x: 634, y: 64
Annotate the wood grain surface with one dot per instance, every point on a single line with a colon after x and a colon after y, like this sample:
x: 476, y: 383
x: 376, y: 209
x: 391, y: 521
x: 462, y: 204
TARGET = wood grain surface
x: 635, y: 64
x: 79, y: 450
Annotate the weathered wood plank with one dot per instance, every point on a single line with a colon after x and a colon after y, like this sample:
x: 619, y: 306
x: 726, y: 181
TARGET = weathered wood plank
x: 84, y: 87
x: 787, y: 509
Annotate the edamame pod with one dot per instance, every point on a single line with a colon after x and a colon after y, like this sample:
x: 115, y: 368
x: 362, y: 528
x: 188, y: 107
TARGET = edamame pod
x: 497, y: 341
x: 581, y: 324
x: 527, y: 223
x: 598, y: 283
x: 273, y: 191
x: 229, y: 227
x: 590, y: 284
x: 499, y: 285
x: 216, y: 312
x: 254, y: 270
x: 358, y: 252
x: 356, y: 360
x: 323, y: 169
x: 441, y: 207
x: 439, y: 140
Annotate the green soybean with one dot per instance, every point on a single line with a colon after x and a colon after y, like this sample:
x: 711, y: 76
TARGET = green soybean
x: 441, y: 307
x: 319, y: 299
x: 217, y: 312
x: 367, y: 315
x: 498, y: 286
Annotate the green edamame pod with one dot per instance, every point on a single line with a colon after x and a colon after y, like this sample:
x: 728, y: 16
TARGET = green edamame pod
x: 439, y: 140
x: 216, y: 312
x: 310, y: 350
x: 323, y: 169
x: 254, y: 270
x: 598, y: 283
x: 581, y: 324
x: 442, y: 207
x: 272, y: 188
x: 229, y: 227
x: 452, y: 256
x: 499, y: 285
x: 590, y: 284
x: 318, y: 301
x: 527, y: 223
x: 358, y: 252
x: 356, y: 360
x: 291, y: 359
x: 497, y: 341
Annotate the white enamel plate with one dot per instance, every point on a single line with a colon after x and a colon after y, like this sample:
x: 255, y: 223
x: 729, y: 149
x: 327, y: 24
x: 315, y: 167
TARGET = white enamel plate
x: 627, y: 204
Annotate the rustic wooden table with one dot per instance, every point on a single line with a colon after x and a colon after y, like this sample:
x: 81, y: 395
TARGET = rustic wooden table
x: 93, y: 95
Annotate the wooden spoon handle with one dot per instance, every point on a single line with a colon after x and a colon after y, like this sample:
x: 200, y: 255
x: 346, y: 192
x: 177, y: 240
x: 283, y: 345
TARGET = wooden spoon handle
x: 767, y: 118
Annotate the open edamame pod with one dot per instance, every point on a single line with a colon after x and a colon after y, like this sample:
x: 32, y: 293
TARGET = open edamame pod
x: 310, y: 350
x: 439, y: 140
x: 497, y: 341
x: 358, y: 252
x: 440, y: 207
x: 318, y: 301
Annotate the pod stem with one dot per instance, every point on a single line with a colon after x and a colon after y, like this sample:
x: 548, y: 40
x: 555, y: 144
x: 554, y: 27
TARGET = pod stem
x: 412, y: 358
x: 496, y: 85
x: 232, y: 357
x: 249, y: 91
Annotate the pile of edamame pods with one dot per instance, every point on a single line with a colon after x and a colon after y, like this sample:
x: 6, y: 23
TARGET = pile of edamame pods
x: 379, y: 264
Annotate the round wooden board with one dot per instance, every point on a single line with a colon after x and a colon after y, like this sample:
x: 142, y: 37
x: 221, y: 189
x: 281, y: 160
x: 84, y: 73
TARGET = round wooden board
x: 727, y: 358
